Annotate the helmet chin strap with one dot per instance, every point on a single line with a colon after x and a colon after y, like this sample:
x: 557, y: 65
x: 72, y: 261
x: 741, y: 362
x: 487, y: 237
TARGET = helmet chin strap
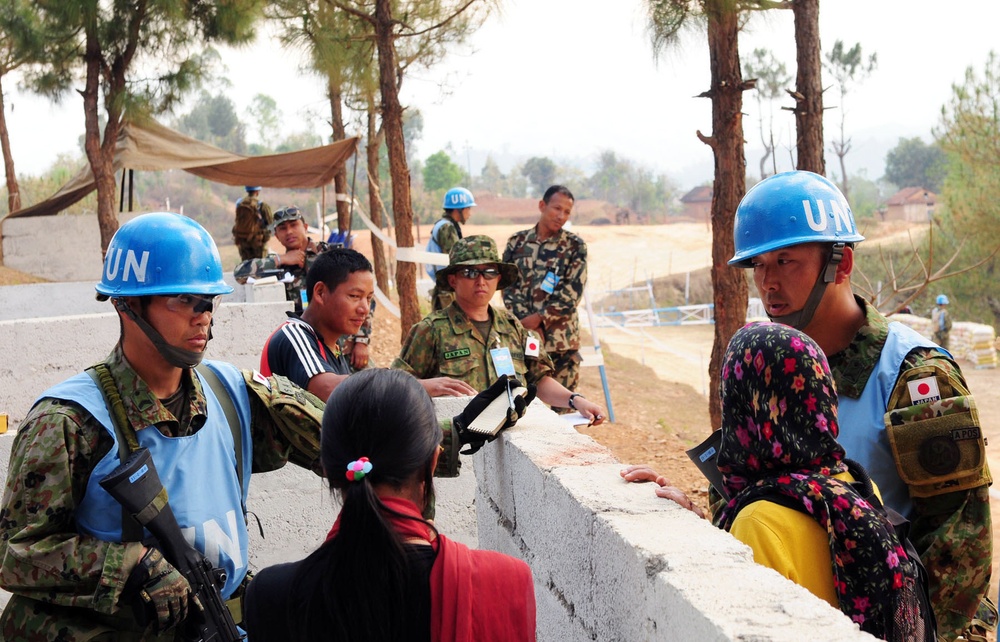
x: 799, y: 320
x: 177, y: 357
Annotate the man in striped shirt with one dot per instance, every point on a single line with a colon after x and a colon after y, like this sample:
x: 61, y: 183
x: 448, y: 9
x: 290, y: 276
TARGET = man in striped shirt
x: 340, y: 287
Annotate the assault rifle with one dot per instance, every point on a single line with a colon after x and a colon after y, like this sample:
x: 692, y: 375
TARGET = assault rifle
x: 136, y: 486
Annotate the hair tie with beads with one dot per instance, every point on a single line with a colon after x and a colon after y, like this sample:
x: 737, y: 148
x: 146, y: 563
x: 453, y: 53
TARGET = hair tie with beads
x: 356, y: 470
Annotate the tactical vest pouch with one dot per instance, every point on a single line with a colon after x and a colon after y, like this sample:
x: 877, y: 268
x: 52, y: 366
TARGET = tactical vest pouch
x: 938, y: 446
x: 297, y: 412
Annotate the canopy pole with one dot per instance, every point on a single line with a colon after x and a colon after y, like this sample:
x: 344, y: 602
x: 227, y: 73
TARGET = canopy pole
x: 354, y: 181
x: 322, y: 216
x: 121, y: 198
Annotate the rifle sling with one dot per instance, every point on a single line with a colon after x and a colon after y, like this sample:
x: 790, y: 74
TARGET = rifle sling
x: 128, y: 442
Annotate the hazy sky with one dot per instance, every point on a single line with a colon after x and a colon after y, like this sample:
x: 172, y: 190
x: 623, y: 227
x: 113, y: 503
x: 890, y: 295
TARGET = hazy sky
x: 570, y: 78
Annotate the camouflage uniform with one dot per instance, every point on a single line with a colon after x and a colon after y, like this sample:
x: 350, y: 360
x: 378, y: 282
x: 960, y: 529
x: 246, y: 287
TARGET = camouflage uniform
x: 66, y: 586
x: 295, y: 289
x: 252, y: 246
x: 565, y: 255
x: 950, y: 528
x: 446, y: 344
x: 447, y: 236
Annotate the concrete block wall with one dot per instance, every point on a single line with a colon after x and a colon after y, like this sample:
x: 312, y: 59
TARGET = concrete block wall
x: 42, y: 352
x: 58, y: 248
x: 611, y: 561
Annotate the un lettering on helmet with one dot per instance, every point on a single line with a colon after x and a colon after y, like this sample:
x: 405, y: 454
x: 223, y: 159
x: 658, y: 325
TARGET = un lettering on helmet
x: 789, y: 209
x: 841, y: 217
x: 133, y: 266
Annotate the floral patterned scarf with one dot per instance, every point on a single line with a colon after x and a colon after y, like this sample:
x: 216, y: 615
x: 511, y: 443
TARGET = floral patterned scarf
x: 779, y: 431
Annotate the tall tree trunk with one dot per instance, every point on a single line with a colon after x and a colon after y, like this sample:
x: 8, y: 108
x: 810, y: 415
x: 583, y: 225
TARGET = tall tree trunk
x: 809, y: 87
x: 100, y: 156
x: 729, y: 286
x: 375, y: 198
x: 13, y: 194
x: 339, y: 133
x: 392, y: 127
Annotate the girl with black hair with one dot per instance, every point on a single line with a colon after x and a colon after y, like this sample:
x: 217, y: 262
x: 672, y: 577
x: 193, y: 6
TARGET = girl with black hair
x: 384, y: 572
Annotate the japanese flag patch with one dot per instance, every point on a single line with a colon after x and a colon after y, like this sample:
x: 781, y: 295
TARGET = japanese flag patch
x: 923, y: 390
x: 531, y: 346
x: 261, y: 379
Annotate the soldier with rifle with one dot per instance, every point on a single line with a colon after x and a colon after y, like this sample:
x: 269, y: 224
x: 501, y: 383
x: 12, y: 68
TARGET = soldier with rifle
x: 80, y: 567
x: 86, y: 557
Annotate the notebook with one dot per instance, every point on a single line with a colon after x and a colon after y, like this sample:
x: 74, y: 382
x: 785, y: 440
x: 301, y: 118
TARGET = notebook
x: 494, y: 416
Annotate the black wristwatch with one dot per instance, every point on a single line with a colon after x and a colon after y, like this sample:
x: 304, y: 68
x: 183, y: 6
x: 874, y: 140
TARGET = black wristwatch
x: 571, y: 397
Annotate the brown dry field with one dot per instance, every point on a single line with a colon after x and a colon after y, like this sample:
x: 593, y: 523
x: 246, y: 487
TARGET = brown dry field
x: 658, y: 377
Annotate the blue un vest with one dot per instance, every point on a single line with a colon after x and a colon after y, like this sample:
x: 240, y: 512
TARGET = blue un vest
x: 198, y: 471
x: 862, y: 420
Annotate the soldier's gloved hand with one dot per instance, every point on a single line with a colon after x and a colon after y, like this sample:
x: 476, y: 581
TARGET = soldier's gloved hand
x: 480, y: 402
x: 158, y: 593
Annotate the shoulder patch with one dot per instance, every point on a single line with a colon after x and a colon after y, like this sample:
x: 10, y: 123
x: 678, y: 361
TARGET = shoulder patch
x: 924, y: 390
x: 455, y: 354
x: 261, y: 379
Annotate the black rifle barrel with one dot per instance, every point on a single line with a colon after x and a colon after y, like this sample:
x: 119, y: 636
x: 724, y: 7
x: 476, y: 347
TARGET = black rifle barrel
x: 135, y: 484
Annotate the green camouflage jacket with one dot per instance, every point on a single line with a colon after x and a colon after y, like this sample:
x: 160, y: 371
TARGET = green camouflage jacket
x: 259, y: 268
x: 446, y: 344
x: 951, y: 531
x: 564, y: 255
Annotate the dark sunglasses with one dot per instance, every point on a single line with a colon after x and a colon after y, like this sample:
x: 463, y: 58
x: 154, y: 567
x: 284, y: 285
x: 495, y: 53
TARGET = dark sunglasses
x: 487, y: 273
x: 193, y: 304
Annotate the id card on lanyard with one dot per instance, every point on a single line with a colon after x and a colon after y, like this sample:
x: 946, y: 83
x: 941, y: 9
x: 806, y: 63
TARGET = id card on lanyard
x: 550, y: 282
x: 502, y: 362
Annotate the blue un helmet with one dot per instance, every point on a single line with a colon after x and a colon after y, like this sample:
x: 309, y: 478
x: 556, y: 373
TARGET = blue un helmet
x: 162, y: 253
x: 789, y: 209
x: 942, y: 299
x: 458, y: 198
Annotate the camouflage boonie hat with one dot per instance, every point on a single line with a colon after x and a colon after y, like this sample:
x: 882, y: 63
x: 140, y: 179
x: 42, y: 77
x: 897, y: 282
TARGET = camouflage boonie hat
x: 290, y: 213
x: 476, y: 250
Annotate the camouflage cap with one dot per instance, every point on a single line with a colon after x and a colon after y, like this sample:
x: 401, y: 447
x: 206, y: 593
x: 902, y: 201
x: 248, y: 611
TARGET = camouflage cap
x: 476, y: 250
x: 290, y: 213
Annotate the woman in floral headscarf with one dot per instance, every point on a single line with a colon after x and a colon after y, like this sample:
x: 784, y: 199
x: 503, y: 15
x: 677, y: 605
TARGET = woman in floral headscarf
x: 788, y: 480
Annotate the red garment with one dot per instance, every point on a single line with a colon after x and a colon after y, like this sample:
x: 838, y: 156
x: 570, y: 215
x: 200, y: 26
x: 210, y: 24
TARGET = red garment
x: 476, y: 596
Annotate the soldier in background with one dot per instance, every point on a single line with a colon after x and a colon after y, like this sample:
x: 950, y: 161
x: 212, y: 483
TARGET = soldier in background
x: 291, y: 268
x: 252, y: 229
x: 941, y: 321
x: 553, y: 266
x: 458, y: 204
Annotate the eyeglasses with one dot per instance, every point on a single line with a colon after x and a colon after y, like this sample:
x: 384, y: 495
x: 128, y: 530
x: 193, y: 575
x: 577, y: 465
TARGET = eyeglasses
x: 193, y: 304
x: 487, y: 273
